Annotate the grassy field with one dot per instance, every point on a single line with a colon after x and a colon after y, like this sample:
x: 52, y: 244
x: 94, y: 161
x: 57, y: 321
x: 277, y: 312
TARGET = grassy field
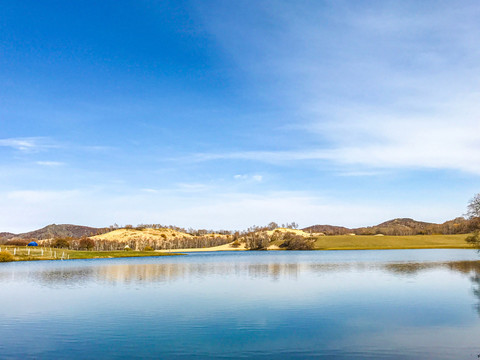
x: 339, y: 242
x: 366, y: 242
x: 371, y: 242
x: 23, y: 253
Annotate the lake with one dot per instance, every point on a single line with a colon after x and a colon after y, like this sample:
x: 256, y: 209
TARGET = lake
x: 382, y: 304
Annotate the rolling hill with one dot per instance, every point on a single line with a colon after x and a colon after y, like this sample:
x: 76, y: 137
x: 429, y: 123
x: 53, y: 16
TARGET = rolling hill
x: 52, y: 231
x: 400, y: 226
x: 403, y: 226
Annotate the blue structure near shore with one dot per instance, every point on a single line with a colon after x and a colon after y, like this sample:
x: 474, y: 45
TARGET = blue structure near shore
x: 32, y: 243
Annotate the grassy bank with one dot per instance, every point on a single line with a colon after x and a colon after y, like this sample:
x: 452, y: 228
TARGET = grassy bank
x: 22, y: 253
x: 337, y: 242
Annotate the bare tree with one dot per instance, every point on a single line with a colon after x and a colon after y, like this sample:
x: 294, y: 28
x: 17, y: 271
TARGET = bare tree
x: 256, y: 241
x: 473, y: 208
x: 272, y: 226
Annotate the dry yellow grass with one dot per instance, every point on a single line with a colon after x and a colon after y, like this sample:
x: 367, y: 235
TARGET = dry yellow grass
x: 23, y: 253
x: 337, y: 242
x: 346, y: 242
x: 369, y: 242
x: 145, y: 234
x: 226, y: 247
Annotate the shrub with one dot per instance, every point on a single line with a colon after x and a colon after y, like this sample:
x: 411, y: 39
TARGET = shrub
x: 257, y: 241
x: 298, y: 243
x: 62, y: 243
x: 5, y: 256
x: 86, y: 243
x: 235, y: 244
x: 473, y: 238
x: 148, y: 248
x: 17, y: 242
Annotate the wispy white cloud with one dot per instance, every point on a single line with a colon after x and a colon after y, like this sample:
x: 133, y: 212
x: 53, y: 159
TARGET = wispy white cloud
x: 360, y: 173
x: 152, y: 191
x: 97, y: 148
x: 390, y: 86
x: 435, y: 149
x: 179, y: 189
x: 274, y: 157
x: 27, y: 144
x: 444, y: 137
x: 258, y: 178
x: 50, y: 163
x: 247, y: 177
x: 41, y: 196
x: 40, y: 143
x: 192, y: 187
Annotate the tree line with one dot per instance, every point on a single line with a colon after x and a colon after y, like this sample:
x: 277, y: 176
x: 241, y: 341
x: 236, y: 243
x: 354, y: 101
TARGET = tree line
x: 253, y: 240
x: 161, y: 243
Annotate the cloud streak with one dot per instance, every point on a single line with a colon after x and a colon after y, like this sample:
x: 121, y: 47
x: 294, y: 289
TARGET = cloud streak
x: 246, y: 177
x: 27, y: 144
x: 50, y: 163
x: 390, y: 86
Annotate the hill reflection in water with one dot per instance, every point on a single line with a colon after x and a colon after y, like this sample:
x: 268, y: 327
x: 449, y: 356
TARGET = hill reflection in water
x: 168, y: 272
x: 258, y: 305
x: 138, y: 274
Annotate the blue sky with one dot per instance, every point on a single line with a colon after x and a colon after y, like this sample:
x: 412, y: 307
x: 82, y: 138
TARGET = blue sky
x: 222, y: 114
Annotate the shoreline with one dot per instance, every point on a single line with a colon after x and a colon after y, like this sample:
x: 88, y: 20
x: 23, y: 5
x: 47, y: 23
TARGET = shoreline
x: 180, y: 252
x: 328, y: 249
x: 324, y: 243
x: 36, y: 254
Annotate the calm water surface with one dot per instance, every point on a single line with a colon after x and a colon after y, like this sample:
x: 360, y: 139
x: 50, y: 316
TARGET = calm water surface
x: 395, y: 304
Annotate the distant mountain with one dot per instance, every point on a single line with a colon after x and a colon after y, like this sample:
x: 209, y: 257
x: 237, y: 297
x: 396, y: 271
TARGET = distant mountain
x: 403, y: 226
x: 5, y: 236
x: 405, y: 222
x: 53, y: 231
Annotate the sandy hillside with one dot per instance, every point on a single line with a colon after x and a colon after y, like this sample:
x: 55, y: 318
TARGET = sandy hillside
x: 295, y: 231
x: 226, y: 247
x: 145, y: 234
